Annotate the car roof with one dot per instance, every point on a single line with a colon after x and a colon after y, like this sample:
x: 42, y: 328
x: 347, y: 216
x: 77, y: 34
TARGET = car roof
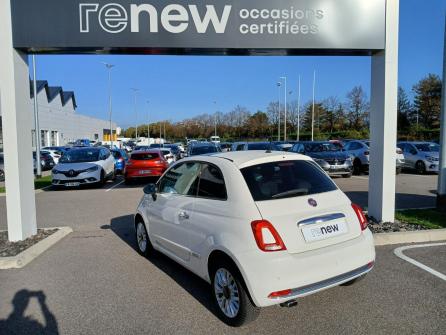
x: 248, y: 158
x: 147, y: 151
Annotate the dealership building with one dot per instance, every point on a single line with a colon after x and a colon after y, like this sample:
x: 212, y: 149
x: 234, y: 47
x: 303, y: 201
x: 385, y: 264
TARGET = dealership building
x: 59, y: 121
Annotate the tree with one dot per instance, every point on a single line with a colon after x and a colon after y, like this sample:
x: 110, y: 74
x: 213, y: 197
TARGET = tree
x: 358, y: 107
x: 427, y: 101
x: 258, y: 125
x: 334, y: 114
x: 404, y: 109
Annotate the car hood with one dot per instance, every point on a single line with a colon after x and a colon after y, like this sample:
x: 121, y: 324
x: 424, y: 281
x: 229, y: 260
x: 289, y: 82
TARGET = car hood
x: 75, y: 166
x: 328, y: 155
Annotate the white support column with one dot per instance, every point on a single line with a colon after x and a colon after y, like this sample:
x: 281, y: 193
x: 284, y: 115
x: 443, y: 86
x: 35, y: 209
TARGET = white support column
x: 441, y: 192
x: 383, y: 122
x: 17, y: 123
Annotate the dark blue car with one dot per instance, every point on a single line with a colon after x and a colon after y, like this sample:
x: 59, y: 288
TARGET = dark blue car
x: 121, y: 159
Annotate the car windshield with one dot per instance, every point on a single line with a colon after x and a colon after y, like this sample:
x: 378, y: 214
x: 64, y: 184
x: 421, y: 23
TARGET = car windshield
x: 142, y: 156
x: 80, y: 156
x: 286, y: 179
x: 262, y: 146
x: 202, y: 150
x: 320, y: 147
x: 428, y: 147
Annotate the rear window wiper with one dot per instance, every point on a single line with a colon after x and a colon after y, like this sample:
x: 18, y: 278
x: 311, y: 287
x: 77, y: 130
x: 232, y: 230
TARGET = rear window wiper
x: 298, y: 191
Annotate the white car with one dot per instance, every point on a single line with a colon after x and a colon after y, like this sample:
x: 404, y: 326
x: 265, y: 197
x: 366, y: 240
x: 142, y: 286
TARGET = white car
x: 168, y: 155
x: 82, y: 166
x: 55, y: 154
x: 263, y: 228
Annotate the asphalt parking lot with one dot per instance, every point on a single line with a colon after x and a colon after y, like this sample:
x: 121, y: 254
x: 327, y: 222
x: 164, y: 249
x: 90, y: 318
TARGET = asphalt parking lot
x: 94, y: 282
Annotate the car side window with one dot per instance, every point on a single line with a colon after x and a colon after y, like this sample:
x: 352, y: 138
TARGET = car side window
x: 354, y: 146
x: 301, y: 149
x: 212, y: 184
x: 240, y: 147
x: 181, y: 179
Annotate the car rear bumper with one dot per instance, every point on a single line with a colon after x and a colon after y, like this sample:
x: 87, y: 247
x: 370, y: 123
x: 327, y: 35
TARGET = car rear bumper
x: 305, y: 273
x: 154, y: 172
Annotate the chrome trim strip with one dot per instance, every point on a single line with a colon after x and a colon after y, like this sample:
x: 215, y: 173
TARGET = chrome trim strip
x: 321, y: 219
x: 343, y: 278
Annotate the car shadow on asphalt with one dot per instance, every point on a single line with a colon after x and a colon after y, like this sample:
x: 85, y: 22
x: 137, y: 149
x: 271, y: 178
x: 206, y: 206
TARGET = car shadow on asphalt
x: 19, y: 323
x: 122, y: 226
x: 403, y: 200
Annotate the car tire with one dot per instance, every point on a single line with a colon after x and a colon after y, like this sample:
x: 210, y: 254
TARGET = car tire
x: 420, y: 167
x: 357, y: 167
x: 354, y: 281
x: 102, y: 179
x: 127, y: 181
x: 113, y: 176
x: 143, y: 244
x: 347, y: 175
x: 238, y: 313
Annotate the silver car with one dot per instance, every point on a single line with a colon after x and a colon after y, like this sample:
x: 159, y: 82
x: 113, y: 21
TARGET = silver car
x: 421, y: 156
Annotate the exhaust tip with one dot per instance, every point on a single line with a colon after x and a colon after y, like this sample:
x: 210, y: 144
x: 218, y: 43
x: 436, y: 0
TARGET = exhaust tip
x: 289, y: 303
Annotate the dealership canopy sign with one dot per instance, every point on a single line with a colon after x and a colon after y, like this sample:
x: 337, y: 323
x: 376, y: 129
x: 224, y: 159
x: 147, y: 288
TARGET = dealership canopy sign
x: 197, y: 26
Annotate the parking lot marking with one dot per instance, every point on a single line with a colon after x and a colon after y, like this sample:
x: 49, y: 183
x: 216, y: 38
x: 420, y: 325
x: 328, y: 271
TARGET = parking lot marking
x: 359, y: 177
x: 115, y: 185
x: 399, y: 253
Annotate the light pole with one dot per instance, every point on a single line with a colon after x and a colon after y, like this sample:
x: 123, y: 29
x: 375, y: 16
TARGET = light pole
x: 441, y: 189
x: 36, y: 121
x: 135, y: 91
x: 148, y: 121
x: 298, y: 111
x: 312, y: 111
x: 285, y: 116
x: 109, y: 68
x: 279, y: 84
x: 215, y: 118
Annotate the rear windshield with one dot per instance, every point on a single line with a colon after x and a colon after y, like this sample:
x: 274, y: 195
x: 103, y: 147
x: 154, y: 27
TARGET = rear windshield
x: 287, y: 179
x: 144, y: 156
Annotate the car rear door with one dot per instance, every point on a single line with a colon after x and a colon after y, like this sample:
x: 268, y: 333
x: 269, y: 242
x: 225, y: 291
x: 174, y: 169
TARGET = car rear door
x: 169, y: 215
x: 320, y: 216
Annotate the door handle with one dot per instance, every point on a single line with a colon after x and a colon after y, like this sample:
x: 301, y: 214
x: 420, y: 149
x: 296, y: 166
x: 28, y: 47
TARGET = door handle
x: 183, y: 215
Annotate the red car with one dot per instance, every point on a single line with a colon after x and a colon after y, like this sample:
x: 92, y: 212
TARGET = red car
x: 145, y: 163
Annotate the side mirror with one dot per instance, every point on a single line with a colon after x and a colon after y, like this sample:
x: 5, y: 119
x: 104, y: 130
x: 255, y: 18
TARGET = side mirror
x: 150, y: 189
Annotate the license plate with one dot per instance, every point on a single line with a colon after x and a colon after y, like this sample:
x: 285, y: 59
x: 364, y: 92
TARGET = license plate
x: 72, y: 184
x: 324, y: 231
x: 145, y: 171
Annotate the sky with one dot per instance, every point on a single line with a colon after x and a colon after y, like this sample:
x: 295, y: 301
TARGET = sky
x: 174, y: 88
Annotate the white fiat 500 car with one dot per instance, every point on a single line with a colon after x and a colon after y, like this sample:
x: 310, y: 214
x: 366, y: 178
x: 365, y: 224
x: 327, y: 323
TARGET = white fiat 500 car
x: 263, y: 228
x: 82, y: 166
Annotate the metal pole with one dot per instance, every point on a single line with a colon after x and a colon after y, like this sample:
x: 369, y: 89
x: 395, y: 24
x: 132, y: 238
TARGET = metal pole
x: 36, y: 120
x: 215, y: 118
x: 135, y: 90
x: 148, y: 121
x: 312, y: 112
x: 164, y: 127
x: 298, y: 112
x: 278, y: 132
x: 441, y: 192
x: 285, y: 116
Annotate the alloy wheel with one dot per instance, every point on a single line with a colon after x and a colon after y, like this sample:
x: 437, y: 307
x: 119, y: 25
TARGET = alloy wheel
x: 141, y: 236
x: 227, y: 293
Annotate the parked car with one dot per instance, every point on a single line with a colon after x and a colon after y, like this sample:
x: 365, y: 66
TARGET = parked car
x: 202, y: 148
x: 283, y: 145
x: 2, y: 168
x: 145, y: 163
x: 262, y: 228
x: 243, y: 146
x: 359, y: 151
x: 175, y: 151
x: 121, y: 158
x: 215, y: 139
x: 225, y: 146
x: 55, y: 153
x: 84, y: 166
x: 168, y: 155
x: 329, y: 157
x: 421, y: 156
x: 46, y: 161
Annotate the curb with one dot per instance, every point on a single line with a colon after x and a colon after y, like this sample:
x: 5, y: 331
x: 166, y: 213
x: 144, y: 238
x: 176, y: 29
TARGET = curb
x: 26, y: 256
x: 420, y: 236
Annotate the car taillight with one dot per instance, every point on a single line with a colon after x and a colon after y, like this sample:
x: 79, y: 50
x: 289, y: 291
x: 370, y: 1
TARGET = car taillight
x: 158, y: 162
x: 366, y: 153
x: 266, y: 236
x: 279, y: 294
x: 361, y: 217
